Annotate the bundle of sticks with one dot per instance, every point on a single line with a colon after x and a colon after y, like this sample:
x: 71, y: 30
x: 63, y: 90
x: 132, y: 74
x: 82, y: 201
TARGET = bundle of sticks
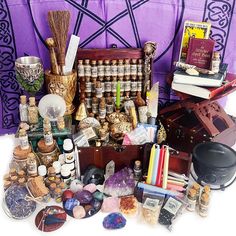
x: 59, y: 25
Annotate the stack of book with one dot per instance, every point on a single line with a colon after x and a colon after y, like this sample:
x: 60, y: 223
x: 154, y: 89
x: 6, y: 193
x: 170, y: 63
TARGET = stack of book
x: 203, y: 86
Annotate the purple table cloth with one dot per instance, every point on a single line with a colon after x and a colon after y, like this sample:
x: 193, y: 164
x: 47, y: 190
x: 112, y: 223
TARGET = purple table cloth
x: 100, y: 23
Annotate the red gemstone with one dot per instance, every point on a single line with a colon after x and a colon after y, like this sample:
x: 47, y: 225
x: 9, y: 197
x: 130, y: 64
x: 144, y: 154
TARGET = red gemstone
x: 67, y: 194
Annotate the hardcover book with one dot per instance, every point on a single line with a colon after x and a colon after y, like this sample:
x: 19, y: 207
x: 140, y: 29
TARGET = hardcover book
x: 200, y: 52
x: 193, y: 29
x: 180, y: 76
x: 205, y: 92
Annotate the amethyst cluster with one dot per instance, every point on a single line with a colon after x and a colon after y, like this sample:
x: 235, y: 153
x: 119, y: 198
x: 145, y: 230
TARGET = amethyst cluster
x: 18, y: 203
x: 122, y: 183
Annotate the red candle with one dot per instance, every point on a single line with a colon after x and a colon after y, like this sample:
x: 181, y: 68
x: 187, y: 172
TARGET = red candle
x: 160, y: 166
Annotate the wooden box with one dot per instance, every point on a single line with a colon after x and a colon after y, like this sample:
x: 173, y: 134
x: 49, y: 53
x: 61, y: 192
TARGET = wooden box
x: 126, y: 156
x: 190, y: 122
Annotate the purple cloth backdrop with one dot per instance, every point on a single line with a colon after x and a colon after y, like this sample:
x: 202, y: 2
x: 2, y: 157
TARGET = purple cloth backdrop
x: 100, y: 23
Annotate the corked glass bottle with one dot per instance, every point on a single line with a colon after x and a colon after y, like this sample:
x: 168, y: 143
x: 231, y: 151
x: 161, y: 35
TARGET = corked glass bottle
x: 94, y: 69
x: 204, y: 205
x: 101, y: 72
x: 87, y: 68
x: 32, y: 167
x: 23, y: 139
x: 80, y: 68
x: 120, y: 68
x: 99, y: 89
x: 137, y: 170
x: 196, y: 186
x: 127, y: 67
x: 114, y: 69
x: 33, y: 116
x: 95, y: 105
x: 109, y: 106
x: 102, y: 109
x: 192, y: 199
x: 23, y: 109
x: 133, y: 67
x: 140, y: 68
x: 107, y: 68
x: 215, y: 63
x: 47, y: 134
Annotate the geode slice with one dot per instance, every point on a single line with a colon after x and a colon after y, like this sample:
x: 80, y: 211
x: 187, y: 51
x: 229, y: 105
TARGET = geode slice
x: 18, y: 203
x: 122, y: 183
x: 114, y: 221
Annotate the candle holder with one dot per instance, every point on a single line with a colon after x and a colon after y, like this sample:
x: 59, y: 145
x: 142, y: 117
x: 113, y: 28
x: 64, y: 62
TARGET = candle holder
x: 64, y: 86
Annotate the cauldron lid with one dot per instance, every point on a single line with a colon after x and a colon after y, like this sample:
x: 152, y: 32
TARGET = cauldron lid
x: 216, y: 155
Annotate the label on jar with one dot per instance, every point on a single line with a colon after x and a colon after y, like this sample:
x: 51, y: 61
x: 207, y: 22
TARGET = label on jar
x: 133, y: 69
x: 107, y: 69
x: 172, y: 205
x: 101, y: 70
x: 93, y: 87
x: 48, y: 138
x: 134, y: 86
x: 80, y: 70
x: 110, y: 108
x: 24, y: 142
x: 203, y: 210
x: 102, y: 113
x: 98, y: 92
x: 191, y: 205
x: 113, y: 86
x: 23, y: 113
x: 88, y: 102
x: 94, y: 71
x: 121, y: 70
x: 94, y: 108
x: 32, y: 168
x: 107, y: 86
x: 127, y: 85
x: 140, y: 69
x: 33, y: 115
x: 127, y: 69
x: 87, y: 70
x: 151, y: 204
x: 122, y: 86
x: 113, y: 70
x: 88, y: 87
x: 69, y: 157
x: 103, y: 86
x: 139, y: 86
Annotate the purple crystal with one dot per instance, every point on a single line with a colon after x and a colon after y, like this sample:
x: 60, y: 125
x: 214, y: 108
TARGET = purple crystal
x: 84, y: 197
x: 122, y: 183
x: 114, y: 221
x: 18, y: 203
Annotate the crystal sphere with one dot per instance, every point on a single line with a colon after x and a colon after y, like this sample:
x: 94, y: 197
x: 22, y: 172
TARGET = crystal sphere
x: 52, y: 106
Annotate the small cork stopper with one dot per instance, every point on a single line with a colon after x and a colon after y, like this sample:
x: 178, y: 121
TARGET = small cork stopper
x: 127, y: 61
x: 205, y: 198
x: 93, y: 62
x: 80, y: 62
x: 107, y: 62
x: 58, y: 191
x: 46, y: 148
x: 86, y: 61
x: 140, y: 61
x: 120, y: 61
x: 113, y: 62
x: 196, y: 186
x: 14, y: 178
x: 31, y: 155
x: 52, y: 186
x: 7, y: 184
x: 192, y: 193
x: 6, y: 177
x: 23, y: 99
x: 21, y: 173
x: 21, y: 180
x: 62, y: 185
x: 22, y: 132
x: 100, y: 62
x: 12, y: 171
x: 137, y: 163
x: 32, y: 101
x: 207, y: 189
x: 134, y: 61
x: 20, y: 154
x: 216, y: 55
x: 51, y: 170
x: 57, y: 181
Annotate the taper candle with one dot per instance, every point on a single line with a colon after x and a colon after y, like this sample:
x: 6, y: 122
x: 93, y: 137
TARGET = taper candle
x: 166, y: 167
x: 160, y: 166
x: 118, y: 95
x: 155, y: 166
x: 151, y: 163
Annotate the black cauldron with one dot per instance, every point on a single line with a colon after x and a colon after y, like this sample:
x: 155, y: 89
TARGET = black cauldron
x: 214, y: 163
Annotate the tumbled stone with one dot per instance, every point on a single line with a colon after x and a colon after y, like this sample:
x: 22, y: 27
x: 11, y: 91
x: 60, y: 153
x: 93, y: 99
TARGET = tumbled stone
x: 71, y: 203
x: 79, y: 212
x: 96, y: 204
x: 76, y: 185
x: 66, y: 195
x: 84, y: 197
x: 114, y: 221
x: 90, y: 187
x: 98, y: 195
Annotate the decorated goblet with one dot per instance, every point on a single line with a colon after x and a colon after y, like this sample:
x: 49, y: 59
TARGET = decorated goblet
x: 29, y: 73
